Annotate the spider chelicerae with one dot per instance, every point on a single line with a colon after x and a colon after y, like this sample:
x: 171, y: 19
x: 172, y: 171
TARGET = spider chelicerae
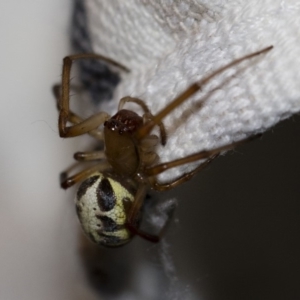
x: 112, y: 190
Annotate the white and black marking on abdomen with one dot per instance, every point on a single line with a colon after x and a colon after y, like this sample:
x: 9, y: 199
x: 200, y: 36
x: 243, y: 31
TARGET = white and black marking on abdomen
x: 100, y: 207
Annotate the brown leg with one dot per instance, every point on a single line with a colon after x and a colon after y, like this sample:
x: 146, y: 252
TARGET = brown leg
x: 73, y: 118
x: 90, y: 123
x: 163, y: 135
x: 183, y: 178
x: 137, y: 101
x: 70, y: 181
x: 133, y: 217
x: 148, y: 115
x: 191, y: 90
x: 65, y: 174
x: 88, y: 156
x: 194, y: 157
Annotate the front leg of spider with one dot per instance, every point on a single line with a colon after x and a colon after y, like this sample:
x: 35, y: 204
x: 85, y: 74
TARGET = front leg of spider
x: 84, y: 126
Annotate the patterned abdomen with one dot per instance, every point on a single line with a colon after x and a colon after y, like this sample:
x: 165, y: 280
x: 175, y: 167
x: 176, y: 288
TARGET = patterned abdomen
x: 102, y: 204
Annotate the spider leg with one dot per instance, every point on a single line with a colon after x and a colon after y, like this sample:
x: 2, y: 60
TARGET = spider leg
x: 148, y: 115
x: 155, y: 170
x: 89, y: 156
x: 64, y: 175
x: 163, y: 135
x: 133, y: 217
x: 183, y: 178
x: 82, y: 175
x: 74, y: 118
x: 191, y: 90
x: 84, y: 126
x: 137, y: 101
x: 80, y: 157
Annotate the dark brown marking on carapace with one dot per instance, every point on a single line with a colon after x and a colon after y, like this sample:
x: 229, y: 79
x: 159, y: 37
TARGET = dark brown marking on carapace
x: 124, y: 121
x: 85, y: 185
x: 105, y: 195
x: 109, y: 225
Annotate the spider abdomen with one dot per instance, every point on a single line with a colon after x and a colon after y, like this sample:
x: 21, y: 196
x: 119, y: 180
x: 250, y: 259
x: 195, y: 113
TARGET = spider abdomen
x: 102, y: 204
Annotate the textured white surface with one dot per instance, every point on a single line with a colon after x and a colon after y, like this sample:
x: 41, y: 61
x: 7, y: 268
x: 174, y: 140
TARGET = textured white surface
x: 170, y: 44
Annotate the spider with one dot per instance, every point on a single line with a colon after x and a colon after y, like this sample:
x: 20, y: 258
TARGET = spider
x: 112, y: 191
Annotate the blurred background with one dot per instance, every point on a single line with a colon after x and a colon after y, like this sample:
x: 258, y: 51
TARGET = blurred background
x: 235, y: 233
x: 37, y: 255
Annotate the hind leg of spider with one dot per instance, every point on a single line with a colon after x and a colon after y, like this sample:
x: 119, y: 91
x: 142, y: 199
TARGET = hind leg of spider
x: 74, y: 118
x: 147, y: 115
x: 82, y: 175
x: 134, y: 216
x: 91, y: 123
x: 183, y: 178
x: 155, y: 170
